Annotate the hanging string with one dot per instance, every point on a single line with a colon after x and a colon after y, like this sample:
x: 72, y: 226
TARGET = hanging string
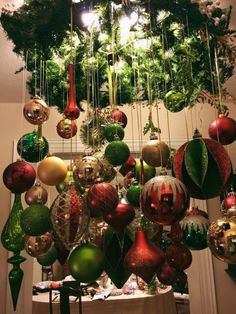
x: 35, y: 72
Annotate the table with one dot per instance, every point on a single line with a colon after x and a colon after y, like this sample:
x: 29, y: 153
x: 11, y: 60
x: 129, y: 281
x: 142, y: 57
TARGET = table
x: 137, y: 303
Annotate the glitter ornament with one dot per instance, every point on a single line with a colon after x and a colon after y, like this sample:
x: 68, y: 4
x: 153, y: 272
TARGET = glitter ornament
x: 114, y: 131
x: 117, y: 153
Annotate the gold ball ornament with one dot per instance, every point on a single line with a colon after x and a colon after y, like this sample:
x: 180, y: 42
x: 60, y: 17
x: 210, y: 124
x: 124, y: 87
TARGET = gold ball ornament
x: 52, y: 170
x: 36, y: 111
x: 36, y: 195
x: 88, y: 171
x: 109, y: 172
x: 156, y: 153
x: 36, y: 246
x: 221, y: 237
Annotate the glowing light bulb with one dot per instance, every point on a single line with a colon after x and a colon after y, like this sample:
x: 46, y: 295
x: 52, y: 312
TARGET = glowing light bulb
x: 90, y: 20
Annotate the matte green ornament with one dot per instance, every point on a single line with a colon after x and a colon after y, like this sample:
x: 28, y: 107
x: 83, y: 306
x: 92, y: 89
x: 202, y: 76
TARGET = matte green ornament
x: 33, y: 147
x: 86, y: 262
x: 36, y: 220
x: 49, y: 258
x: 133, y: 194
x: 117, y: 153
x: 114, y: 131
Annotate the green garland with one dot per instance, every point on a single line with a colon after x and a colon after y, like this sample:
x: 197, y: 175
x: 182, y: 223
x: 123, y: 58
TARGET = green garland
x: 177, y: 66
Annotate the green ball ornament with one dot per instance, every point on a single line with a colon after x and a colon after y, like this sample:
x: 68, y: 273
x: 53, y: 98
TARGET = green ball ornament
x: 133, y: 194
x: 32, y: 148
x: 36, y: 220
x: 149, y: 172
x: 49, y: 258
x: 114, y: 131
x: 117, y: 153
x: 86, y: 262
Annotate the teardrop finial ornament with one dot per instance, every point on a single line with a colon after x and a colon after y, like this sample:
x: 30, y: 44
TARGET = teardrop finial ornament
x: 72, y: 111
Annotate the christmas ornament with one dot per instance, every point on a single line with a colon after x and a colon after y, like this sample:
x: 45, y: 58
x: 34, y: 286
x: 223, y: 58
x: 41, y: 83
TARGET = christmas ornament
x: 13, y: 239
x: 117, y: 153
x: 133, y: 194
x: 66, y: 128
x: 19, y: 176
x: 128, y: 166
x: 221, y: 235
x: 223, y: 129
x: 97, y: 229
x: 86, y: 262
x: 228, y: 201
x: 102, y: 198
x: 164, y: 200
x: 175, y: 101
x: 178, y: 256
x: 52, y: 170
x: 194, y: 226
x: 176, y: 233
x: 203, y: 165
x: 32, y: 147
x: 119, y: 116
x: 69, y: 216
x: 116, y: 247
x: 167, y: 274
x: 71, y: 111
x: 122, y: 215
x: 35, y: 220
x: 87, y: 171
x: 49, y: 257
x: 69, y: 179
x: 39, y: 245
x: 108, y: 173
x: 36, y: 111
x: 113, y: 132
x: 156, y: 153
x: 149, y: 172
x: 143, y: 258
x: 36, y: 195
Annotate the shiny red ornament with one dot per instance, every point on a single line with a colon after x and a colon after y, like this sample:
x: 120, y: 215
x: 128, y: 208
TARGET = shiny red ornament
x: 102, y: 198
x: 223, y: 129
x: 19, y: 176
x: 71, y: 111
x: 119, y: 116
x: 230, y: 200
x: 143, y: 258
x: 167, y: 274
x: 164, y: 200
x: 122, y: 216
x: 66, y: 128
x: 179, y: 256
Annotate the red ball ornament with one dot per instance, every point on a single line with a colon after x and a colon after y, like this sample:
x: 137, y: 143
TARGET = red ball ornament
x: 164, y: 200
x: 143, y: 258
x: 102, y: 198
x: 71, y: 111
x: 167, y: 274
x: 229, y: 201
x: 203, y: 165
x: 19, y: 176
x: 122, y: 216
x: 179, y: 256
x: 66, y: 128
x: 119, y: 116
x: 223, y: 129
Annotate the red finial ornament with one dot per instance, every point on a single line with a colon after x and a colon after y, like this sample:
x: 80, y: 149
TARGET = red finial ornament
x: 71, y: 111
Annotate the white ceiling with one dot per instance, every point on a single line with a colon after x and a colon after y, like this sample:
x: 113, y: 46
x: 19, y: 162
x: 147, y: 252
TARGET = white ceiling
x: 12, y: 86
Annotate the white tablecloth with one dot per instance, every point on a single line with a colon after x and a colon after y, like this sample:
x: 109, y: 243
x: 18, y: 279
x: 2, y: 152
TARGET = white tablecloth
x: 138, y: 303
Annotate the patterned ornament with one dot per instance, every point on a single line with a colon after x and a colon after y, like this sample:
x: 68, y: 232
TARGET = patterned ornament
x: 117, y: 153
x: 49, y: 257
x: 133, y: 194
x: 69, y: 216
x: 223, y: 129
x: 119, y: 116
x: 144, y: 258
x: 122, y: 215
x: 52, y: 170
x: 156, y: 153
x: 221, y: 237
x: 102, y: 198
x: 108, y: 173
x: 87, y: 171
x: 36, y: 195
x: 86, y: 262
x: 204, y: 166
x: 71, y: 111
x: 113, y: 132
x: 35, y: 220
x: 66, y: 128
x: 32, y: 147
x: 36, y: 111
x: 19, y: 176
x: 194, y: 226
x: 39, y: 245
x: 149, y: 172
x: 178, y: 256
x: 164, y: 200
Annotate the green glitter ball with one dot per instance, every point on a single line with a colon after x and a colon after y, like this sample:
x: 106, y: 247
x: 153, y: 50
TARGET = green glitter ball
x: 117, y: 153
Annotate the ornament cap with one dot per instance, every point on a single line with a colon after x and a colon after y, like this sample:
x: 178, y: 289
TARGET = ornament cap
x: 197, y: 134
